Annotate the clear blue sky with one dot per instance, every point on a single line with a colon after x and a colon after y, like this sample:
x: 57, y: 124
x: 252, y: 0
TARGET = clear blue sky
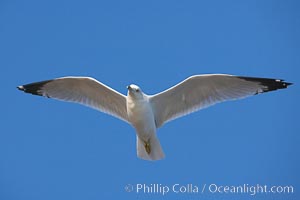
x: 56, y: 150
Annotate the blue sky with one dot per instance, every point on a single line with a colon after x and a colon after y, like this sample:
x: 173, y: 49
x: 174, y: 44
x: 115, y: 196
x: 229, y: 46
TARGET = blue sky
x: 57, y: 150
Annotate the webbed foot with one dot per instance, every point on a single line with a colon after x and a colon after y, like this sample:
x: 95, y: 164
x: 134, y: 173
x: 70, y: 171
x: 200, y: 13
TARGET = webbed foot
x: 147, y: 146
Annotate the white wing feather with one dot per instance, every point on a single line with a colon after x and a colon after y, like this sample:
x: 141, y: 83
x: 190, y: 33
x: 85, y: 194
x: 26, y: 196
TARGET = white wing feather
x: 200, y: 91
x: 83, y: 90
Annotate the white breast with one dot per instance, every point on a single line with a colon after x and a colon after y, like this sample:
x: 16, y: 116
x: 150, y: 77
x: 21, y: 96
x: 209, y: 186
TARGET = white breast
x: 141, y: 116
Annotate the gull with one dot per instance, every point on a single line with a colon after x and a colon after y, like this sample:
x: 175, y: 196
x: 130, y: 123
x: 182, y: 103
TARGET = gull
x: 146, y: 113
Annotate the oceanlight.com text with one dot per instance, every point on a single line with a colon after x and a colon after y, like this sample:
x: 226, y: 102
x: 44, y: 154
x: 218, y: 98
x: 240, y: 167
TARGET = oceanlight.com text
x: 164, y: 189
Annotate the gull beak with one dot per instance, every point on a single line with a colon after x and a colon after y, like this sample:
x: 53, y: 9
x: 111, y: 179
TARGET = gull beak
x: 128, y: 87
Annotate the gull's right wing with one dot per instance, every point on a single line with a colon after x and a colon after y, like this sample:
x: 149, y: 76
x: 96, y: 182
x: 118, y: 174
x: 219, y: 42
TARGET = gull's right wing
x: 83, y: 90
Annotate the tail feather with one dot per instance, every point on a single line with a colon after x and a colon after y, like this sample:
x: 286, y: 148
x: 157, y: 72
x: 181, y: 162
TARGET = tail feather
x: 154, y: 149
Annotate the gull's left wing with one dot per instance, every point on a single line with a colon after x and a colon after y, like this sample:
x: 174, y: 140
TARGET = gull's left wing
x: 200, y: 91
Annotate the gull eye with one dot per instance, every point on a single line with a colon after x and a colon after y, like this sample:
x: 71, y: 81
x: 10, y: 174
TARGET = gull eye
x: 137, y: 90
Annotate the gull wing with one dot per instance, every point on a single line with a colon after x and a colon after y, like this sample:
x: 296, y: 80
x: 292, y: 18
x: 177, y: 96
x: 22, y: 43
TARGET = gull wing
x: 200, y: 91
x: 82, y: 90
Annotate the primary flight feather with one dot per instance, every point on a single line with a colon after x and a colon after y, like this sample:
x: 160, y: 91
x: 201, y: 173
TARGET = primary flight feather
x: 146, y: 113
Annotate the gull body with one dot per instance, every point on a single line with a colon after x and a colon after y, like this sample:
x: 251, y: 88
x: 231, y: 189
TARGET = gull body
x: 140, y: 114
x: 146, y: 113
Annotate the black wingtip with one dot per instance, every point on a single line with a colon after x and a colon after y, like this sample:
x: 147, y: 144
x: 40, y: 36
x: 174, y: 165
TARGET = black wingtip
x: 20, y: 88
x: 33, y: 88
x: 269, y: 83
x: 287, y: 84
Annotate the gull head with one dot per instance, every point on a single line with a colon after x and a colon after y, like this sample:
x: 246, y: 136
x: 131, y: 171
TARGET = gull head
x: 134, y: 91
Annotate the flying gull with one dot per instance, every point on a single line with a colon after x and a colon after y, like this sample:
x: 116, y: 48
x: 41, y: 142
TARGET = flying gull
x: 146, y: 113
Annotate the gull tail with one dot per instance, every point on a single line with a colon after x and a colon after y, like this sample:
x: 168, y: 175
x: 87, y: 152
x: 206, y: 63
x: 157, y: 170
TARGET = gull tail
x: 149, y: 150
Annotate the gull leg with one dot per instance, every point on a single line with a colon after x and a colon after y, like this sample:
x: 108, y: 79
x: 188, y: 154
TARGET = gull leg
x: 147, y: 146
